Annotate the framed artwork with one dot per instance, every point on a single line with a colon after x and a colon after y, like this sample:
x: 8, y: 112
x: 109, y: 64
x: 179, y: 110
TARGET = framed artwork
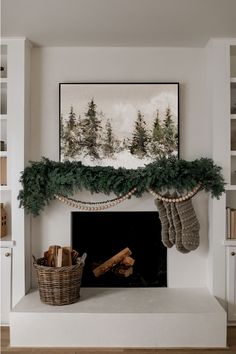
x: 118, y: 124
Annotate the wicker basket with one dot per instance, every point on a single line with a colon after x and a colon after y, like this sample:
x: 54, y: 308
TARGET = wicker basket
x: 59, y: 285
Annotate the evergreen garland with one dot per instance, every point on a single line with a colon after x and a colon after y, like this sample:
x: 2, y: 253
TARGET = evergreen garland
x: 42, y: 180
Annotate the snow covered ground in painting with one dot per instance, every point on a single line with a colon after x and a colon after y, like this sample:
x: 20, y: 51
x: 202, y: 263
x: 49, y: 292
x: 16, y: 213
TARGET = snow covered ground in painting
x: 123, y: 159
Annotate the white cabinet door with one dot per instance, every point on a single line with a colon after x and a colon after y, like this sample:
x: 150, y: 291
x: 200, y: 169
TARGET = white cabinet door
x: 231, y: 283
x: 5, y: 262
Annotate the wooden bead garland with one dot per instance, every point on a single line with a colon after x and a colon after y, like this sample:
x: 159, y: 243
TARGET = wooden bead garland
x: 179, y: 199
x: 94, y: 206
x: 97, y: 206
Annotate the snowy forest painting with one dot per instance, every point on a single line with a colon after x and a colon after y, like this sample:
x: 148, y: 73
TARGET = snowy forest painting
x: 120, y: 125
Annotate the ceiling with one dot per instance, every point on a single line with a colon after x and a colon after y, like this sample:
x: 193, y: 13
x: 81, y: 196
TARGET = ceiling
x: 119, y: 22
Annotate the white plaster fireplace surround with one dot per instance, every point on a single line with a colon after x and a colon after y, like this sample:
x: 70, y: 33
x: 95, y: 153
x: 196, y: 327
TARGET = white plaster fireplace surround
x: 52, y: 65
x: 147, y: 311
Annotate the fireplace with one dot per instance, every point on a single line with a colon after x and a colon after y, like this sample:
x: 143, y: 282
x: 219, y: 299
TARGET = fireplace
x: 104, y: 234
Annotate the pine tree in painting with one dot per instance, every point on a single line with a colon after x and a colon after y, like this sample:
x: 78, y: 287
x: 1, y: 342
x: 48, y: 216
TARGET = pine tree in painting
x: 91, y: 130
x: 140, y: 137
x: 125, y: 144
x: 109, y: 140
x: 69, y: 136
x: 170, y: 136
x: 62, y: 140
x: 157, y: 137
x: 157, y: 129
x: 79, y: 134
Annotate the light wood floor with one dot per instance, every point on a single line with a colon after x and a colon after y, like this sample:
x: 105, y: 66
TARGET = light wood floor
x: 6, y: 349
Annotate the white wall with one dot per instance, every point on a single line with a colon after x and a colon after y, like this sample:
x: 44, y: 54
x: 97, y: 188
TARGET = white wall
x: 50, y: 66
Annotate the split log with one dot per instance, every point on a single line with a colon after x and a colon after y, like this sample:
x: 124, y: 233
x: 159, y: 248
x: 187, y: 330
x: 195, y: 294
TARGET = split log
x: 123, y: 271
x: 111, y: 262
x: 128, y: 261
x: 66, y: 256
x: 60, y: 256
x: 52, y: 255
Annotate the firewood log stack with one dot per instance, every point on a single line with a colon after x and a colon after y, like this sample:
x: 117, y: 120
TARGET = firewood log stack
x: 57, y: 256
x: 121, y: 264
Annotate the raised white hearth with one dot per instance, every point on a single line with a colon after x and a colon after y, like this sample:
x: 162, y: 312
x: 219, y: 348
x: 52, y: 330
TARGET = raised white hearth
x: 122, y: 317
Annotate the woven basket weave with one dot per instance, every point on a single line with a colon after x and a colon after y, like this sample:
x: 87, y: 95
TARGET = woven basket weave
x: 59, y: 285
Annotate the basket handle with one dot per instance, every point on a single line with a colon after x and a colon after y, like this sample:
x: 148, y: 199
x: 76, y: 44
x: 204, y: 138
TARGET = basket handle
x: 82, y: 259
x: 34, y: 259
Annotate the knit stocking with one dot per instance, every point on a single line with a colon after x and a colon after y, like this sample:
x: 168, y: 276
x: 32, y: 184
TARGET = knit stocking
x: 190, y: 225
x: 178, y: 229
x: 170, y: 220
x: 164, y: 223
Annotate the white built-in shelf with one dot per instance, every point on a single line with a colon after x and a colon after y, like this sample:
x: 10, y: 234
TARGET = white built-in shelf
x: 3, y: 79
x: 6, y: 242
x: 233, y: 116
x: 4, y: 117
x: 229, y: 242
x: 4, y: 188
x: 230, y: 187
x: 233, y: 79
x: 3, y: 153
x: 233, y: 152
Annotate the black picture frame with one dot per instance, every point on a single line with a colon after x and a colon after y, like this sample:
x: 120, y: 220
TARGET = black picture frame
x: 105, y: 98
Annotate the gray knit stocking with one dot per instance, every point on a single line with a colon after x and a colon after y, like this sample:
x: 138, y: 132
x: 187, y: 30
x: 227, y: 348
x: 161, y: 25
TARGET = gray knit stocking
x: 164, y: 223
x: 170, y: 220
x: 178, y: 229
x: 190, y: 225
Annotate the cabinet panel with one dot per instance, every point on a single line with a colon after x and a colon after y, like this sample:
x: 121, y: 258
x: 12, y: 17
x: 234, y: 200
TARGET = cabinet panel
x: 231, y: 283
x: 5, y: 260
x: 15, y: 125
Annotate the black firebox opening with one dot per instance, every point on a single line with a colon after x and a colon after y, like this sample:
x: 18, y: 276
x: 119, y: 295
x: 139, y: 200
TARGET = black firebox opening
x: 103, y: 234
